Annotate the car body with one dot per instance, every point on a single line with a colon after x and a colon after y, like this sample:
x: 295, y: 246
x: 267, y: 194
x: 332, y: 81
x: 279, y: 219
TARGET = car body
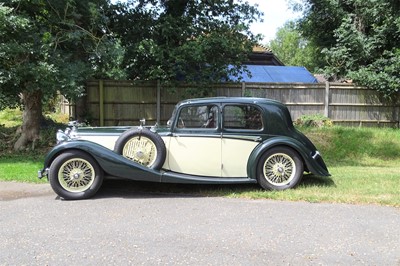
x: 208, y: 141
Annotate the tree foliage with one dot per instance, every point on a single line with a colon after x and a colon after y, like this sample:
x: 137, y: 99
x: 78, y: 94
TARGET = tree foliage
x: 359, y: 39
x: 292, y: 49
x: 50, y: 46
x: 190, y: 40
x: 54, y: 45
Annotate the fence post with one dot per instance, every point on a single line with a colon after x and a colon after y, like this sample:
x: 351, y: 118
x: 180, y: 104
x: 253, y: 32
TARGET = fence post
x: 398, y: 115
x: 243, y: 88
x: 101, y: 103
x: 326, y: 101
x: 158, y: 111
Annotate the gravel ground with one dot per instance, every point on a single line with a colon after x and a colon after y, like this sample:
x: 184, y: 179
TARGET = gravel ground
x: 121, y: 227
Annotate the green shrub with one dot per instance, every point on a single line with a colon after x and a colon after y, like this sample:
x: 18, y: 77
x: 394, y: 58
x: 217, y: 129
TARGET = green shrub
x: 316, y: 120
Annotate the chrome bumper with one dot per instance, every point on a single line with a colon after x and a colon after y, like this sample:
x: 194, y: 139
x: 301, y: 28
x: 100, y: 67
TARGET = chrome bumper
x: 43, y: 172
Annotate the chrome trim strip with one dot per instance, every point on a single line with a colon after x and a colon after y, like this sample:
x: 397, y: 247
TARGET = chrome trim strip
x: 217, y: 135
x: 316, y: 155
x: 242, y: 137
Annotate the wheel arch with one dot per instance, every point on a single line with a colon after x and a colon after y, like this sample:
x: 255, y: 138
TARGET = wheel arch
x: 55, y: 153
x: 272, y: 143
x: 94, y: 150
x: 109, y: 162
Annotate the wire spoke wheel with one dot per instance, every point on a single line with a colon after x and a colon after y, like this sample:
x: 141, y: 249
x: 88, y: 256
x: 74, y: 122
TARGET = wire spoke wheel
x: 279, y: 169
x: 76, y: 175
x: 142, y: 146
x: 141, y: 150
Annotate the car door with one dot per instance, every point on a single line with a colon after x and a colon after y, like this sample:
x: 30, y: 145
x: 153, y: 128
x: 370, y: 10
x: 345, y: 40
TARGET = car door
x: 242, y: 126
x: 195, y: 144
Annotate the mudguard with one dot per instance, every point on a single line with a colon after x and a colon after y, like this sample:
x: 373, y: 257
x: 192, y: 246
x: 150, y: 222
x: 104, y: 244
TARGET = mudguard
x: 311, y: 158
x: 111, y: 162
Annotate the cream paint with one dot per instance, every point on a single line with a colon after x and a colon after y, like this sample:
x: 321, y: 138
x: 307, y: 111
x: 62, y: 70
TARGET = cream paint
x: 195, y: 155
x: 235, y: 154
x: 166, y: 140
x: 206, y: 161
x: 106, y: 141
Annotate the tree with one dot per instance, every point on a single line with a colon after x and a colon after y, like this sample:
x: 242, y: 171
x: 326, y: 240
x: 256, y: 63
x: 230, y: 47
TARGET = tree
x: 192, y: 40
x: 292, y: 49
x: 359, y: 38
x: 50, y: 46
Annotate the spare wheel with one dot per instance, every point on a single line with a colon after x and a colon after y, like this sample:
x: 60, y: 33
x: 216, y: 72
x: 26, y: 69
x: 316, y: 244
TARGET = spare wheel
x: 142, y: 146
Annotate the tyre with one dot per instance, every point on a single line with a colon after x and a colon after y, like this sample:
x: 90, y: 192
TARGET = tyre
x: 142, y: 146
x: 279, y: 168
x: 75, y: 175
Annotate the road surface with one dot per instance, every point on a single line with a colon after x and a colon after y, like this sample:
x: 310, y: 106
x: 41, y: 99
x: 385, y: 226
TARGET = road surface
x: 121, y: 227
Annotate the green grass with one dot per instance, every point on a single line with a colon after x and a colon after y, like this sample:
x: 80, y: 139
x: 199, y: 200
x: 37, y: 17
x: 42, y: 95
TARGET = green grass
x: 10, y: 117
x: 364, y: 163
x: 357, y: 146
x: 19, y: 168
x: 348, y: 184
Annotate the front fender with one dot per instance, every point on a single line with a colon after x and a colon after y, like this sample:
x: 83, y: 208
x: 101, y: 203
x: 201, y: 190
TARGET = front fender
x: 311, y: 157
x: 112, y: 163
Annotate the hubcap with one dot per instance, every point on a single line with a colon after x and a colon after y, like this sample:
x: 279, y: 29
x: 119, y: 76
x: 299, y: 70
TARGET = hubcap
x: 76, y: 175
x: 279, y: 169
x: 141, y: 150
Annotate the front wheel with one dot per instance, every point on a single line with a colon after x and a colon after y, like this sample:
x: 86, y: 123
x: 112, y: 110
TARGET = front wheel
x: 279, y: 168
x: 75, y: 175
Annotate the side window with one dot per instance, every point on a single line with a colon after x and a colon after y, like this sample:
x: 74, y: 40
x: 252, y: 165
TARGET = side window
x: 199, y: 116
x: 242, y: 117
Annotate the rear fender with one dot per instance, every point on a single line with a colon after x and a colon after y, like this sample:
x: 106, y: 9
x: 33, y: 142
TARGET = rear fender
x: 312, y: 160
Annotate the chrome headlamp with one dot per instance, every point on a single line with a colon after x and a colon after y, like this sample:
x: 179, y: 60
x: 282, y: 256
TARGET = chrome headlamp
x: 62, y: 136
x: 68, y: 133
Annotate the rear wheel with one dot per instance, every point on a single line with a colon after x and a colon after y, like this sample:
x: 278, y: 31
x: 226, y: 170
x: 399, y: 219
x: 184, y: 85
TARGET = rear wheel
x: 279, y: 168
x: 142, y: 146
x: 75, y: 175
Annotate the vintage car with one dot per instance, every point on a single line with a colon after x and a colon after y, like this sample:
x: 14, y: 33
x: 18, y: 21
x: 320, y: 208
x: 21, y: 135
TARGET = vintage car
x: 207, y: 141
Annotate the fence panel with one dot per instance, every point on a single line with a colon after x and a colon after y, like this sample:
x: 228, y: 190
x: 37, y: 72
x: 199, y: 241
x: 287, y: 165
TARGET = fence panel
x: 125, y: 102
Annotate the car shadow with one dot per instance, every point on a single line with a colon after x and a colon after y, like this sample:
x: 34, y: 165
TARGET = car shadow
x: 120, y: 188
x: 310, y: 180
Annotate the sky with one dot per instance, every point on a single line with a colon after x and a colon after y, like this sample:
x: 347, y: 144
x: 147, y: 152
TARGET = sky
x: 276, y: 13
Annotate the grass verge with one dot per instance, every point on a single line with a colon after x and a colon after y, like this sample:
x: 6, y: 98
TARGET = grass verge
x: 20, y: 169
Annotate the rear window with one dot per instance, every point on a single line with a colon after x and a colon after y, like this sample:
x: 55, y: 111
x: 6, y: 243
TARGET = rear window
x: 242, y: 117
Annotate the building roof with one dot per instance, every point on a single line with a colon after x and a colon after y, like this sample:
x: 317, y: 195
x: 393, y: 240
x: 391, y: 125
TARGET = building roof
x: 262, y: 55
x: 281, y: 74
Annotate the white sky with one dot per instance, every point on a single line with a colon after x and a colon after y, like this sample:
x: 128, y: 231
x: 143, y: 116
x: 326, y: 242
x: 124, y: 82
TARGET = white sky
x: 276, y: 13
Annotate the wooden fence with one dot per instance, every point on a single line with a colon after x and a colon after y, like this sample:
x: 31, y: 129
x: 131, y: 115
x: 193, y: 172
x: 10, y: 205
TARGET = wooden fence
x: 112, y: 103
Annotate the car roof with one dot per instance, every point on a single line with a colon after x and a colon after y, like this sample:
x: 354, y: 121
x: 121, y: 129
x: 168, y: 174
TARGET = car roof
x: 248, y: 100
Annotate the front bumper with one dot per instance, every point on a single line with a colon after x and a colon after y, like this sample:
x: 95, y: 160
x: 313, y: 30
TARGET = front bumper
x: 43, y: 173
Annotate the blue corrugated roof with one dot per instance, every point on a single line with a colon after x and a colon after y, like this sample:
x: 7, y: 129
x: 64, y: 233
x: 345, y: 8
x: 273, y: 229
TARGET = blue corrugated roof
x: 286, y: 74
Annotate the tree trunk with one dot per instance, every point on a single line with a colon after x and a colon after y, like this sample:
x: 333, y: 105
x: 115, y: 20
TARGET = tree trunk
x: 32, y: 116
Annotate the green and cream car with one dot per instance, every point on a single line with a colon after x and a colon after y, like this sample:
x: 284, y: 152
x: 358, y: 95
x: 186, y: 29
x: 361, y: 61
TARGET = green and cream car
x: 208, y: 141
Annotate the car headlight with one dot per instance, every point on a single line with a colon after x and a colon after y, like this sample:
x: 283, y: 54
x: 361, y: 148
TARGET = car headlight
x: 61, y: 136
